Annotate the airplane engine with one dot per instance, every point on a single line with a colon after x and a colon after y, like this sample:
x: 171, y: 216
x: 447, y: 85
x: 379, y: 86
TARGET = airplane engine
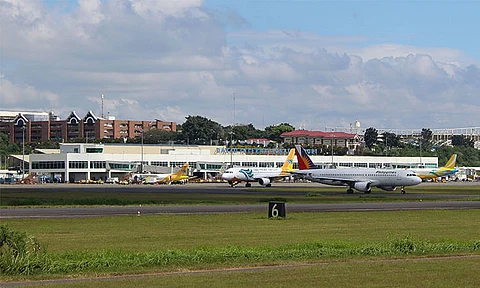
x: 363, y: 186
x: 264, y: 182
x: 388, y: 188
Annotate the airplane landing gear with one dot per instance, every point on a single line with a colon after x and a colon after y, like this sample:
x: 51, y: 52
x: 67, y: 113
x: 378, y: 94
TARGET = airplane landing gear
x: 248, y: 184
x: 349, y: 191
x: 403, y: 189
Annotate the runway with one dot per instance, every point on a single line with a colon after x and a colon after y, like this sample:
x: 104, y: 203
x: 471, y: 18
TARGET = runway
x: 205, y: 209
x: 212, y: 188
x: 414, y: 201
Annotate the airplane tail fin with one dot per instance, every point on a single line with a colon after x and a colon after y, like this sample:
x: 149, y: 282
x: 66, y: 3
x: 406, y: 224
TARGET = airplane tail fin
x: 451, y: 162
x: 304, y: 161
x: 288, y: 164
x: 182, y: 171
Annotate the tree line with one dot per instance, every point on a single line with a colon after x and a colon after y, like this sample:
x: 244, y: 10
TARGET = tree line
x: 199, y: 130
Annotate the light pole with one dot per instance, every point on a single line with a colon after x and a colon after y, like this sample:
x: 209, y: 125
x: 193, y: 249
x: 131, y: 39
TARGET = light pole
x: 231, y: 132
x: 231, y: 148
x: 141, y: 164
x: 332, y: 150
x: 331, y: 146
x: 23, y: 151
x: 420, y: 143
x: 386, y: 144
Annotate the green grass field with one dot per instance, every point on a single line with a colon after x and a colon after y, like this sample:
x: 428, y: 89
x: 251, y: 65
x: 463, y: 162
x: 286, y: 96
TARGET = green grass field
x: 146, y: 244
x: 151, y: 233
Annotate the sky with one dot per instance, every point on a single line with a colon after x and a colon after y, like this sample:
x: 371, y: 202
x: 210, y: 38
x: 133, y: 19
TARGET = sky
x: 313, y: 64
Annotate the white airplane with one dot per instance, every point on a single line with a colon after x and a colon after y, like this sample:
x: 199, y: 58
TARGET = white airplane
x: 429, y: 173
x: 361, y: 179
x: 264, y: 176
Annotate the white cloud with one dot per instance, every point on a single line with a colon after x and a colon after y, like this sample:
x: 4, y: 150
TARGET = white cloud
x: 89, y: 11
x: 444, y: 55
x: 26, y: 96
x: 171, y: 59
x: 149, y: 8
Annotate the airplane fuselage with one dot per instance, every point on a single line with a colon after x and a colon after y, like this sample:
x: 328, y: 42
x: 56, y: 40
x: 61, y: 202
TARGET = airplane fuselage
x: 250, y: 174
x: 362, y: 178
x: 427, y: 173
x: 264, y: 176
x: 151, y: 178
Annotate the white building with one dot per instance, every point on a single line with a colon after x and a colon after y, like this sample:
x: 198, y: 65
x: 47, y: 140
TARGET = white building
x: 89, y: 161
x: 9, y: 116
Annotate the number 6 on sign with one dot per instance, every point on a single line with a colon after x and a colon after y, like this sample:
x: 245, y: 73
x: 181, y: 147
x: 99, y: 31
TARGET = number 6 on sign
x: 276, y: 209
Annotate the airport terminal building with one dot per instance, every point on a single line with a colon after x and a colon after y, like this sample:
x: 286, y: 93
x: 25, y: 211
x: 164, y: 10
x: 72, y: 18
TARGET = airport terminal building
x: 88, y: 161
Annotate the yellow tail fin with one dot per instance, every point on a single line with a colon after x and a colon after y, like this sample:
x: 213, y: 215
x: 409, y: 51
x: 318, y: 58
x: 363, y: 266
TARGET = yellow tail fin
x: 288, y: 164
x: 451, y: 162
x: 182, y: 171
x: 179, y: 175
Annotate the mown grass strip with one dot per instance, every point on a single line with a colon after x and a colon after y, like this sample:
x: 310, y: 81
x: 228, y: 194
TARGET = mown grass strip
x: 162, y: 232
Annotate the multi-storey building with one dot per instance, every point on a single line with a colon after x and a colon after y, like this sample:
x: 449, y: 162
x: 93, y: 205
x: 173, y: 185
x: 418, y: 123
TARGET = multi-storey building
x: 90, y: 127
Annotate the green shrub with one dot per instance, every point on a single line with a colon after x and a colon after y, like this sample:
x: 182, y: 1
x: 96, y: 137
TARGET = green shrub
x: 19, y: 253
x: 404, y: 245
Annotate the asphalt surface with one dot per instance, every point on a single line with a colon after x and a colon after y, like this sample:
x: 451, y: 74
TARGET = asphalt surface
x: 415, y: 201
x: 194, y: 209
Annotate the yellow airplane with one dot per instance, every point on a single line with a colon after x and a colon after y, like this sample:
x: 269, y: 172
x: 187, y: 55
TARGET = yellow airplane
x: 178, y: 176
x: 164, y: 178
x: 429, y: 173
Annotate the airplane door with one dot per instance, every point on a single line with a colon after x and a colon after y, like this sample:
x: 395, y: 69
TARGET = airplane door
x: 398, y: 177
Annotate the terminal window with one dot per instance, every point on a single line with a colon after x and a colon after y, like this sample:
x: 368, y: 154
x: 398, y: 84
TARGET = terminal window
x: 94, y: 150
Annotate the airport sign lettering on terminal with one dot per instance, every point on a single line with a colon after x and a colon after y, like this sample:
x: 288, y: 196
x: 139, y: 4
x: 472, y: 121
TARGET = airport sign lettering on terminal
x: 259, y: 151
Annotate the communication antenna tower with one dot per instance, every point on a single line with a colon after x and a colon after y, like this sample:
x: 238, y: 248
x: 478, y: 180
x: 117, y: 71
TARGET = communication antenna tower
x: 231, y: 132
x: 102, y: 105
x: 234, y: 109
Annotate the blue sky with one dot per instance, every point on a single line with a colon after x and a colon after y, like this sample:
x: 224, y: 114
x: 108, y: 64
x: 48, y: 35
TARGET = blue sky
x: 452, y: 24
x: 309, y: 63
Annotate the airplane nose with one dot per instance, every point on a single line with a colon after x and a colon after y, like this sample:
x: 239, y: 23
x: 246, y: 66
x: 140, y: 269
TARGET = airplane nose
x: 417, y: 180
